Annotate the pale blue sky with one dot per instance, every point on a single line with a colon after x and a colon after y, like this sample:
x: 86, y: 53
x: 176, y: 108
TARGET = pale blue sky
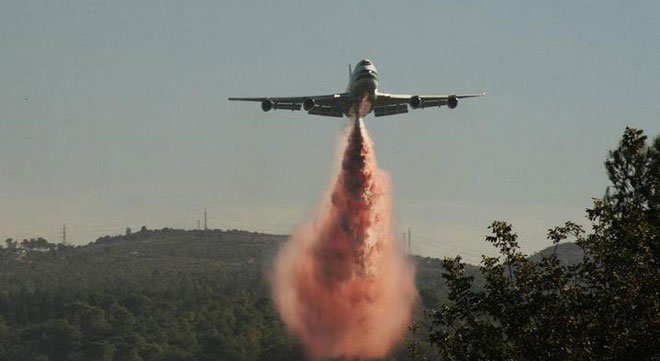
x: 114, y: 113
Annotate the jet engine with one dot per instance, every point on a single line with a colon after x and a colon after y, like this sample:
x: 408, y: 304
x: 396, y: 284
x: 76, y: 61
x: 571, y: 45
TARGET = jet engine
x: 266, y: 105
x: 415, y: 101
x: 308, y: 104
x: 452, y: 101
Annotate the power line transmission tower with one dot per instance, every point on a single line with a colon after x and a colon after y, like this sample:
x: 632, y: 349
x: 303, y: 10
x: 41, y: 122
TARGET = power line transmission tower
x: 64, y: 234
x: 205, y: 224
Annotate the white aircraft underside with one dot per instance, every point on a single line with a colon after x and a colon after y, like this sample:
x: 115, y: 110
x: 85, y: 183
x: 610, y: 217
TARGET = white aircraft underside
x: 362, y: 95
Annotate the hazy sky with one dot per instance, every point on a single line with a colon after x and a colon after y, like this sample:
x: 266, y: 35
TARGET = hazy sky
x: 114, y: 113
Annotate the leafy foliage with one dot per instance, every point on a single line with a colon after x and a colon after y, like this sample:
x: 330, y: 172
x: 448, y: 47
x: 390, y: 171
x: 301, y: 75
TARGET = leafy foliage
x: 154, y: 295
x: 605, y: 307
x: 151, y: 295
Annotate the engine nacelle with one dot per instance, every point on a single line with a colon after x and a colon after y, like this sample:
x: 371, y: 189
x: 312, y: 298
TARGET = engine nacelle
x: 308, y: 104
x: 266, y: 105
x: 452, y: 102
x: 415, y: 101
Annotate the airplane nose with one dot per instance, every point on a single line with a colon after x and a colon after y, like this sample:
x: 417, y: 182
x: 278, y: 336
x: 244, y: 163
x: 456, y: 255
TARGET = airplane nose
x: 365, y: 62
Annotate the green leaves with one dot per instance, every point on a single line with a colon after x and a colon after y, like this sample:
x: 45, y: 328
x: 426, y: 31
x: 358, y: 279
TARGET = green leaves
x: 604, y: 307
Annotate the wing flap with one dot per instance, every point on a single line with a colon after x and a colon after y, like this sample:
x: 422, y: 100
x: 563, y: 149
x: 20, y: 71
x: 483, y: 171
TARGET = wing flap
x: 390, y: 109
x: 288, y: 106
x: 326, y: 111
x: 427, y: 103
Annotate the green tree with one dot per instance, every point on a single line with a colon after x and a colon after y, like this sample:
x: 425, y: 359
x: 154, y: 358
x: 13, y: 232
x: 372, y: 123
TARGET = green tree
x: 56, y: 339
x: 606, y: 307
x: 100, y: 351
x: 622, y: 253
x: 11, y: 244
x: 91, y: 320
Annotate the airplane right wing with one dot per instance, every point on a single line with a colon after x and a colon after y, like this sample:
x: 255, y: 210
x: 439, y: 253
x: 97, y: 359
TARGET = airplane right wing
x: 390, y: 104
x: 332, y: 105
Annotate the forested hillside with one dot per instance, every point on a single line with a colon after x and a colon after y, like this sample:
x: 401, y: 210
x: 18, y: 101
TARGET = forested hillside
x: 154, y: 295
x: 151, y: 295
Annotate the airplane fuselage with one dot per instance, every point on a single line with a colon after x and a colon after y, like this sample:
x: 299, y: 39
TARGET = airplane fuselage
x: 362, y: 86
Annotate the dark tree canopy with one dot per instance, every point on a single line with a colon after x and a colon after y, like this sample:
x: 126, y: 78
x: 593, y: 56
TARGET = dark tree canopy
x: 605, y: 307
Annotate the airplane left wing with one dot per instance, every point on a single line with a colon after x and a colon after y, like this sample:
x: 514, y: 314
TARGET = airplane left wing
x: 332, y: 105
x: 390, y: 104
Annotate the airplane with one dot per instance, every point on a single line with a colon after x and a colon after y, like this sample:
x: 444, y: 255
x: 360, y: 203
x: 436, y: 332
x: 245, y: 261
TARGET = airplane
x: 361, y: 97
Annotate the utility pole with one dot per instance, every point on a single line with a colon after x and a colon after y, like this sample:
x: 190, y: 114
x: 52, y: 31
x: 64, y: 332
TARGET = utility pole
x: 205, y: 224
x: 64, y: 234
x: 198, y: 224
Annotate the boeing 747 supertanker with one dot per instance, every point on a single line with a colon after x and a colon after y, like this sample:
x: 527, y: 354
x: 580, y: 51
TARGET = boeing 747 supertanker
x: 361, y: 97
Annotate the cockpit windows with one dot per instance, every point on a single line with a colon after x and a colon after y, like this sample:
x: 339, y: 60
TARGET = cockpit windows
x: 367, y: 74
x: 364, y: 62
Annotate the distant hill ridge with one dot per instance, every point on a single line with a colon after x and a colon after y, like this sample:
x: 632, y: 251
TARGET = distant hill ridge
x: 568, y: 253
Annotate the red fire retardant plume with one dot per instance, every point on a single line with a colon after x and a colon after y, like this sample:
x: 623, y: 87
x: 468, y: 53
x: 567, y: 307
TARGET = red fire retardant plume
x: 340, y: 283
